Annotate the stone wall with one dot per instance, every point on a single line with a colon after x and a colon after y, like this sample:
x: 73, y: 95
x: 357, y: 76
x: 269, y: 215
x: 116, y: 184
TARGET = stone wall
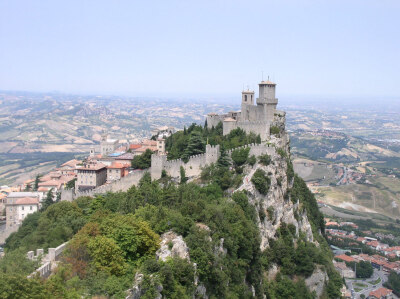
x: 257, y: 127
x: 159, y: 163
x: 120, y: 185
x: 214, y: 119
x: 256, y: 149
x: 49, y: 261
x: 192, y: 167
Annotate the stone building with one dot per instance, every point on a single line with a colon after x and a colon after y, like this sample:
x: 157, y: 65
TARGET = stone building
x: 19, y: 205
x: 91, y: 175
x: 107, y: 146
x: 116, y: 171
x: 256, y: 118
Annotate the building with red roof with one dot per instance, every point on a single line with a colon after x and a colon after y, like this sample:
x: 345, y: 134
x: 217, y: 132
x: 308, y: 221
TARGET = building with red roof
x: 18, y: 207
x: 381, y: 293
x: 116, y: 171
x: 345, y: 258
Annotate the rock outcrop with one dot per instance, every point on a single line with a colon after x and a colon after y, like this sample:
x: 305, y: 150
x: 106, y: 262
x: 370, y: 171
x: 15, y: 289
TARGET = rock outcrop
x: 275, y: 207
x: 316, y: 282
x: 172, y: 245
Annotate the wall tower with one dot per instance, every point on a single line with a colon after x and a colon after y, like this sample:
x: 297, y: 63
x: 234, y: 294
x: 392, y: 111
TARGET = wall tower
x: 267, y: 98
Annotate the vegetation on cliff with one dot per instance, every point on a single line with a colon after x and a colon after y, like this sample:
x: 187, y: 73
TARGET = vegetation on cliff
x: 114, y: 236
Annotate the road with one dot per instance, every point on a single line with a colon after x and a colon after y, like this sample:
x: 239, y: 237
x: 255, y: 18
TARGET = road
x: 370, y: 287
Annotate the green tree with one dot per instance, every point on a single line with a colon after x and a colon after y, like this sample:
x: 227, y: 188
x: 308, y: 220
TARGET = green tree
x: 364, y: 269
x: 240, y: 156
x: 265, y: 159
x: 18, y: 286
x: 28, y: 187
x: 37, y: 181
x: 16, y: 263
x: 195, y: 146
x: 183, y: 175
x: 49, y: 199
x: 261, y: 181
x: 71, y: 184
x: 393, y: 283
x: 142, y: 161
x: 107, y: 255
x: 223, y: 160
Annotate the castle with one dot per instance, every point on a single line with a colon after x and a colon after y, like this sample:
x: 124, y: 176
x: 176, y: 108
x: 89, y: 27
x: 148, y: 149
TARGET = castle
x: 252, y: 118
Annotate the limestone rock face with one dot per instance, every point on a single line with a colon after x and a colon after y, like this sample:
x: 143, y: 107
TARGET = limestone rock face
x: 275, y: 208
x: 316, y: 281
x: 172, y: 245
x: 137, y: 291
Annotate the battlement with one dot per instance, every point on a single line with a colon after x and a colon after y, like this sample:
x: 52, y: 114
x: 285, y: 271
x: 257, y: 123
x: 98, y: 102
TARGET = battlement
x: 192, y: 167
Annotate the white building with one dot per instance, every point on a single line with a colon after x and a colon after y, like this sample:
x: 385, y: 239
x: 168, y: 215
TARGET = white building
x: 17, y: 208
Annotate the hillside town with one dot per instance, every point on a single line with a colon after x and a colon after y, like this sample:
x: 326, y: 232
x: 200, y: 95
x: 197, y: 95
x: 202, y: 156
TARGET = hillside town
x: 383, y: 258
x: 109, y: 162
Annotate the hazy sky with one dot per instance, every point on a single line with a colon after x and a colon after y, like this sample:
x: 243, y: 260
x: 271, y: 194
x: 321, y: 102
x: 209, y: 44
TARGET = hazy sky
x: 202, y: 47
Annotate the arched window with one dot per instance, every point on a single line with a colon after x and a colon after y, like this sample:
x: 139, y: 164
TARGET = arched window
x: 245, y: 98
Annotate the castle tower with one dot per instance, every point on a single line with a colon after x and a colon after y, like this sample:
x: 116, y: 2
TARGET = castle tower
x: 161, y: 146
x: 248, y: 97
x: 267, y: 98
x: 247, y: 100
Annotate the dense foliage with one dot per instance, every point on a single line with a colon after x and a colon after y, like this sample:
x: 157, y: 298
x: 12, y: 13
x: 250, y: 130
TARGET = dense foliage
x: 142, y: 161
x: 192, y: 141
x: 261, y: 181
x: 57, y: 224
x: 115, y: 236
x: 393, y: 283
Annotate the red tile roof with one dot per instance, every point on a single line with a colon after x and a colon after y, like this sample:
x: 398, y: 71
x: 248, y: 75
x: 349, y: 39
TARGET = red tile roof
x: 134, y: 146
x: 345, y: 258
x: 381, y: 292
x: 116, y: 165
x: 27, y: 201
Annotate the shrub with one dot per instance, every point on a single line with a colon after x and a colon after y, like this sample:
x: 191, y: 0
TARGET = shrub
x: 271, y: 212
x: 239, y: 156
x: 261, y: 181
x: 281, y: 152
x: 252, y: 160
x: 265, y: 159
x: 274, y: 130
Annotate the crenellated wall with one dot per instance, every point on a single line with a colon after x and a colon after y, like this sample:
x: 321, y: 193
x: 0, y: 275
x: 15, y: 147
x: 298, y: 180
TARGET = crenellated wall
x: 159, y: 163
x: 119, y: 185
x: 192, y: 167
x: 48, y: 261
x: 256, y: 149
x: 214, y: 119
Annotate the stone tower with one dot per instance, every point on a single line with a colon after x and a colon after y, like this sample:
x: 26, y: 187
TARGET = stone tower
x: 267, y: 98
x: 247, y: 100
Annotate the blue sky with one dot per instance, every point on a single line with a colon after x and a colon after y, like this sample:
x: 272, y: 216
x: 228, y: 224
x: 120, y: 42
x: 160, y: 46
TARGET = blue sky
x: 164, y: 48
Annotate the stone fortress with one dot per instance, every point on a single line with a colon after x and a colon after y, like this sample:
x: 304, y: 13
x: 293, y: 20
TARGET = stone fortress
x: 252, y: 118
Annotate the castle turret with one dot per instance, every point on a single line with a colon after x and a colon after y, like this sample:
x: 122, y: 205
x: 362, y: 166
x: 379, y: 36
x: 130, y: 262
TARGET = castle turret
x: 267, y: 98
x: 247, y: 100
x: 248, y: 97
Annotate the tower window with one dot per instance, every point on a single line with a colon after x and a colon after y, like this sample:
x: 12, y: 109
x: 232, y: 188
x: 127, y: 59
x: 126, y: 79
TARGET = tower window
x: 245, y: 98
